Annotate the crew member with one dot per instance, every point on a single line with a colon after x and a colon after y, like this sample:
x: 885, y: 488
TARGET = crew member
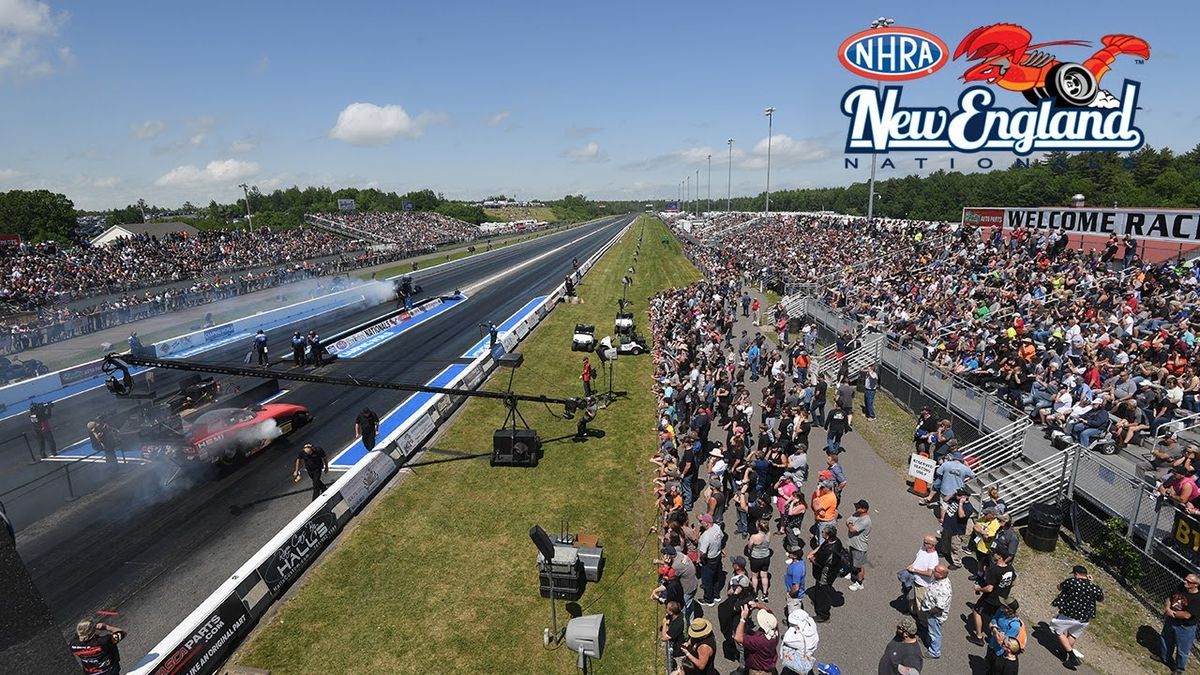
x: 587, y: 414
x: 260, y: 347
x: 569, y: 285
x: 575, y: 262
x: 314, y: 345
x: 39, y: 417
x: 104, y: 438
x: 298, y: 349
x: 97, y: 651
x: 493, y: 333
x: 586, y: 376
x: 366, y: 425
x: 135, y: 344
x: 315, y: 462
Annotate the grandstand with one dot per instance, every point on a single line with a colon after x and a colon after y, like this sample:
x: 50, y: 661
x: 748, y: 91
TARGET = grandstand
x: 417, y: 231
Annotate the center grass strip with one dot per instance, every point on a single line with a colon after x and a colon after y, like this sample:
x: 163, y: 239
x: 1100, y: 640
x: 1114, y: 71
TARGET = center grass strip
x: 439, y: 575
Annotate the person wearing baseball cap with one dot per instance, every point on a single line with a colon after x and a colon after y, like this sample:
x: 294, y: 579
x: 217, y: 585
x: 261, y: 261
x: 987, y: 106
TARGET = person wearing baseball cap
x: 858, y: 531
x: 902, y: 655
x: 95, y: 646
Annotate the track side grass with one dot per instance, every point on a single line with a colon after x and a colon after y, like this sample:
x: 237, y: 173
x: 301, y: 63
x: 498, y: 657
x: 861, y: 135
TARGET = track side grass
x: 439, y: 575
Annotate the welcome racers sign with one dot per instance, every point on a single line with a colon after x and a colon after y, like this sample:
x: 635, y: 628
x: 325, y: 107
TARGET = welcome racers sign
x: 1171, y: 225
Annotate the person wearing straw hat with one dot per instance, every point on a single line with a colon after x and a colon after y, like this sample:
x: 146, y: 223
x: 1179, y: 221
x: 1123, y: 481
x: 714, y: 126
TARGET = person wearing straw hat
x: 699, y: 651
x: 95, y: 646
x: 761, y: 643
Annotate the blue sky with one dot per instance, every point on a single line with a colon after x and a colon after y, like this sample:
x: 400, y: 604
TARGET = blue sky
x: 111, y: 101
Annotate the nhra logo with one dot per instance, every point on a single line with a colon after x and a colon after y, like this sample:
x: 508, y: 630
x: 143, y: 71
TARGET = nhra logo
x: 893, y: 54
x: 1070, y: 110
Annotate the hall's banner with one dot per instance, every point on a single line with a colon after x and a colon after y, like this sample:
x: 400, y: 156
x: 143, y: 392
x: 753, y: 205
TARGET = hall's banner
x: 1173, y: 225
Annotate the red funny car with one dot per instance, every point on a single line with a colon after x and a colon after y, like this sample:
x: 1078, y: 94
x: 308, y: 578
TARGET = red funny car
x: 223, y: 434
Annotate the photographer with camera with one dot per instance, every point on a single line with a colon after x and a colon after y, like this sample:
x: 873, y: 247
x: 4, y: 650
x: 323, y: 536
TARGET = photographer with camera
x: 39, y: 418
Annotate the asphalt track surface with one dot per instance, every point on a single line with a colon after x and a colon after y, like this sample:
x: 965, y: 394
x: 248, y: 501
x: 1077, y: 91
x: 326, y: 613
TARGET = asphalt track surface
x: 153, y: 552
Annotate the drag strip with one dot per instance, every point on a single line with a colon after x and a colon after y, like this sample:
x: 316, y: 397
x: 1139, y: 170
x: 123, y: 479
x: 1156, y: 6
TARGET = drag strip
x: 152, y: 552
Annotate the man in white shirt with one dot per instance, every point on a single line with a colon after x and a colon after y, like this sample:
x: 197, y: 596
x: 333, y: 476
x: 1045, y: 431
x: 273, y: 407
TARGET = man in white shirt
x: 709, y: 546
x: 919, y: 575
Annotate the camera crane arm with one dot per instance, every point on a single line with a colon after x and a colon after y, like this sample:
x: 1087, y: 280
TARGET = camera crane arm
x: 120, y: 382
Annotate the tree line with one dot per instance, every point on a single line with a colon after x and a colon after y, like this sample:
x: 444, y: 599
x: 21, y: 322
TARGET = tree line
x: 1148, y: 177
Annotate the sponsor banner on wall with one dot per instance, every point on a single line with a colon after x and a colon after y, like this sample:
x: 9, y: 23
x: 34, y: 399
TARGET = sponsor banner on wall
x: 1174, y: 225
x: 78, y: 373
x: 205, y: 649
x: 983, y: 217
x: 369, y: 477
x: 306, y: 543
x: 419, y: 431
x: 179, y: 344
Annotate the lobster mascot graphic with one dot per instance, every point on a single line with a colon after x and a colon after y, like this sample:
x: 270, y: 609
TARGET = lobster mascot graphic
x: 1010, y: 61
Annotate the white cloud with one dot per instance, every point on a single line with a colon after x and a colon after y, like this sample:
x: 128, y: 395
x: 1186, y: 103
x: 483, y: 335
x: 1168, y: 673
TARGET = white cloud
x: 497, y: 119
x: 106, y: 181
x: 147, y: 130
x: 370, y: 124
x: 9, y: 174
x: 785, y: 150
x: 244, y: 145
x: 262, y: 65
x: 25, y: 28
x: 215, y: 172
x: 588, y: 153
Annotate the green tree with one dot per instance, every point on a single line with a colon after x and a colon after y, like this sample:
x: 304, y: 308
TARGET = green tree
x: 37, y: 215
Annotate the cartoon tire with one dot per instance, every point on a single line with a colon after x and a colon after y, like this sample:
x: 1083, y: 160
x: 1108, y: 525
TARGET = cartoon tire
x: 1071, y: 85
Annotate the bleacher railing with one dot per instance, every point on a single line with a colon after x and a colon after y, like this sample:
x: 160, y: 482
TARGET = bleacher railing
x: 998, y: 448
x: 1044, y: 481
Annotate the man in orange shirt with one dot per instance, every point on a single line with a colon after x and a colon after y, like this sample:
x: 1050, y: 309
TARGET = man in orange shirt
x: 824, y: 507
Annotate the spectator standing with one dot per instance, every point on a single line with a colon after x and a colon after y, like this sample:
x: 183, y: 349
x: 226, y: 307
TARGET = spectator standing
x: 685, y: 571
x: 1006, y: 640
x: 798, y: 646
x: 950, y: 477
x: 673, y: 628
x: 730, y: 611
x: 760, y: 644
x: 993, y: 592
x: 836, y: 426
x: 827, y: 561
x: 902, y: 656
x: 1180, y: 615
x: 1076, y: 603
x: 916, y: 577
x: 709, y: 546
x: 758, y: 549
x: 824, y: 507
x: 700, y: 649
x: 794, y: 579
x: 858, y: 529
x: 820, y: 393
x: 870, y: 388
x: 934, y: 608
x: 955, y: 523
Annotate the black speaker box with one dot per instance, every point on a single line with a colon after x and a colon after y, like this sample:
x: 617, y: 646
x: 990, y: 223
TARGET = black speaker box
x: 516, y: 448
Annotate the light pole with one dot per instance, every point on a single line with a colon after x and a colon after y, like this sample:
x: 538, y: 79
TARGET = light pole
x: 708, y: 199
x: 881, y: 22
x: 697, y: 203
x: 729, y: 176
x: 770, y: 113
x: 249, y: 221
x: 687, y: 191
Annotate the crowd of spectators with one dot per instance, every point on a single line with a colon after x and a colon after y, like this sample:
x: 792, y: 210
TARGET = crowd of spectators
x: 418, y: 231
x: 41, y: 275
x: 736, y: 417
x: 1093, y: 342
